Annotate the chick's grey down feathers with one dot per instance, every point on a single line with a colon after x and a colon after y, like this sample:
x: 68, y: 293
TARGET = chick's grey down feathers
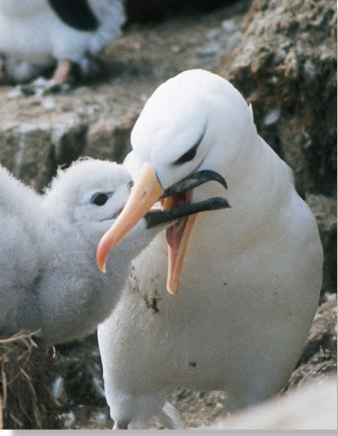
x: 49, y: 281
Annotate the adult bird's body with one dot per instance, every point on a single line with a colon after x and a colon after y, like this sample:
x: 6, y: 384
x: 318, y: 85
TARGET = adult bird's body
x: 36, y: 34
x: 252, y: 275
x: 49, y: 283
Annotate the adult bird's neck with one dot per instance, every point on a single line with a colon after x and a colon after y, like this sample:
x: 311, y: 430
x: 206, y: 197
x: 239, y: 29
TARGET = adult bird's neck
x: 259, y: 183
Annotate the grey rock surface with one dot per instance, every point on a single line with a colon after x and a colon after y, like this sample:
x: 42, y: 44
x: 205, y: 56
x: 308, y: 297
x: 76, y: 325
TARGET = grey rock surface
x: 286, y: 66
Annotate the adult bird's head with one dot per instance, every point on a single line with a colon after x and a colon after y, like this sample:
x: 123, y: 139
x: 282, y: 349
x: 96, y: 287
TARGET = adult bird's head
x: 190, y: 131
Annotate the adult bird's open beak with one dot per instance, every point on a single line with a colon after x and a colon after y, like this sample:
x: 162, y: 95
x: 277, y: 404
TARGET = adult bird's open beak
x: 178, y: 236
x: 176, y: 202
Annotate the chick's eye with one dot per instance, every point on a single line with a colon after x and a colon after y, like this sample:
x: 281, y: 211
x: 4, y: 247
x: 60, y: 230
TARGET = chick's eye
x: 99, y: 199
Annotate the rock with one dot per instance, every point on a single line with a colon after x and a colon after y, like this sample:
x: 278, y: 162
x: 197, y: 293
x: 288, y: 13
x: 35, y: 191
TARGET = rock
x: 320, y: 353
x: 312, y: 407
x: 325, y: 210
x: 110, y: 138
x: 286, y: 66
x: 198, y: 408
x: 32, y: 150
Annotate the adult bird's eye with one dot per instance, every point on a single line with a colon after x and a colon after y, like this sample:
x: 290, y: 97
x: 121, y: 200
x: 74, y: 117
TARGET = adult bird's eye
x: 188, y: 156
x: 99, y: 199
x: 191, y: 153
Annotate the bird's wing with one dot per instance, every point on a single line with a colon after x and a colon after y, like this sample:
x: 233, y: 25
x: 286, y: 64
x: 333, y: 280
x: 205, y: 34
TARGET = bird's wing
x: 77, y: 15
x: 19, y: 221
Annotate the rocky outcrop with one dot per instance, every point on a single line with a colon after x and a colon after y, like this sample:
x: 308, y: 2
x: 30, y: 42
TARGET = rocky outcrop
x: 320, y: 352
x: 286, y: 66
x: 325, y: 210
x: 34, y: 150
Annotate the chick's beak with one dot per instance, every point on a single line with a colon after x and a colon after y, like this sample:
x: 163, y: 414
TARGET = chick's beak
x: 145, y: 192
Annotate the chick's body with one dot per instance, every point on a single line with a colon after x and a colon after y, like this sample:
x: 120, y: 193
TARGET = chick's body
x: 49, y: 281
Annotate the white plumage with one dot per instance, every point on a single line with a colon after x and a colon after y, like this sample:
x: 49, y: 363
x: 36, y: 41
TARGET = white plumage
x: 48, y: 278
x: 312, y: 406
x: 33, y: 36
x: 252, y: 275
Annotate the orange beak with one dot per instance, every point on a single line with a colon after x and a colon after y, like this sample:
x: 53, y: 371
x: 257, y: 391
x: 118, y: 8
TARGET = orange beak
x: 178, y: 237
x: 147, y: 191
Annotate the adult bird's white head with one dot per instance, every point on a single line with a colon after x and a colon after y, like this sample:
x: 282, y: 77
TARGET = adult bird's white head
x: 190, y: 132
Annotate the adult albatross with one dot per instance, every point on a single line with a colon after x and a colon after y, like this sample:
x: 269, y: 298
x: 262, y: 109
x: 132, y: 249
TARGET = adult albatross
x: 252, y: 274
x: 36, y: 34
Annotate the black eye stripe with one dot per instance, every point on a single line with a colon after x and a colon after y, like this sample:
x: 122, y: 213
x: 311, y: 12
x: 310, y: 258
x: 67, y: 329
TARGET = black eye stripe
x: 191, y: 153
x: 188, y: 156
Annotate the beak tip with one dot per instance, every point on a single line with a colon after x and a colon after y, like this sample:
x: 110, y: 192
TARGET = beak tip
x: 101, y: 260
x: 102, y: 267
x: 172, y: 289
